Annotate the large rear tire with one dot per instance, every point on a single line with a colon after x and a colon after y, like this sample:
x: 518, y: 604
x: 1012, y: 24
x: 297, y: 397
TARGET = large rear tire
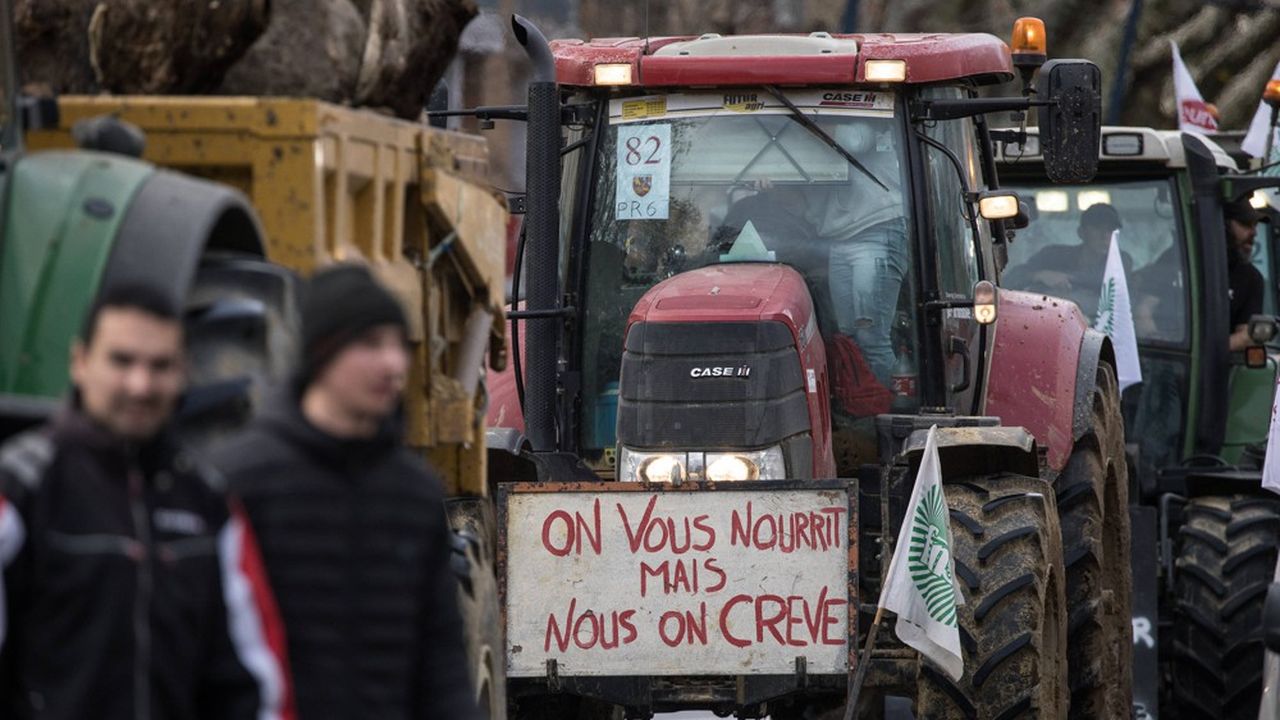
x: 1008, y: 557
x: 1226, y: 558
x: 1093, y: 505
x: 243, y: 330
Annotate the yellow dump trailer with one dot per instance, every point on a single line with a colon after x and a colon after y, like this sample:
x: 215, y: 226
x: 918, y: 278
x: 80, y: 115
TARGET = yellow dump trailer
x: 335, y: 184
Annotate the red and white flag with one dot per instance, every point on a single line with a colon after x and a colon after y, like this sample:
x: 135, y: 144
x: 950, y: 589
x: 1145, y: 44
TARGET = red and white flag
x: 1193, y: 112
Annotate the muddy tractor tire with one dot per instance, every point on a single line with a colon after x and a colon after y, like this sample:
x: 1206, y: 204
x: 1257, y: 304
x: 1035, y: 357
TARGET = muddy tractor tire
x: 1093, y: 506
x: 1226, y: 555
x: 1007, y: 549
x: 243, y: 330
x: 475, y: 532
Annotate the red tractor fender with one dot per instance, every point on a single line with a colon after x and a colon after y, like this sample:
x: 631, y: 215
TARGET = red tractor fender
x: 1043, y: 370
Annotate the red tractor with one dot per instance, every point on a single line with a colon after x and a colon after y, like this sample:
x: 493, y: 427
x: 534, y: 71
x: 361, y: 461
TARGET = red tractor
x: 753, y: 265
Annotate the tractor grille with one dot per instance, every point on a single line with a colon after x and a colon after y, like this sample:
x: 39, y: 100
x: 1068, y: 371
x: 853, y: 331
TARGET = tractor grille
x: 710, y: 385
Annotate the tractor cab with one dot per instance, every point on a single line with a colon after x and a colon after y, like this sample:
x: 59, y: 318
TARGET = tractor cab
x: 1197, y: 398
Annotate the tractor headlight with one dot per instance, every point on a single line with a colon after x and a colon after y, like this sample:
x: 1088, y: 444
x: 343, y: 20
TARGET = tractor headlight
x: 663, y: 467
x: 676, y: 467
x: 759, y: 465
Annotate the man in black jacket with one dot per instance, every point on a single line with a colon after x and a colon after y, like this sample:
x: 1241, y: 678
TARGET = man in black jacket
x: 129, y: 589
x: 352, y: 525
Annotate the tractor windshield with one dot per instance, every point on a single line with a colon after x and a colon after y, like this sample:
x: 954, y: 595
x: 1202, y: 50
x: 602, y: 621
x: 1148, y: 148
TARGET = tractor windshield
x: 1064, y: 251
x: 683, y: 181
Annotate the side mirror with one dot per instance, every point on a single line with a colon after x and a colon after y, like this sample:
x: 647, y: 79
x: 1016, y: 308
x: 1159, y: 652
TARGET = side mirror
x: 1271, y: 617
x: 1071, y: 122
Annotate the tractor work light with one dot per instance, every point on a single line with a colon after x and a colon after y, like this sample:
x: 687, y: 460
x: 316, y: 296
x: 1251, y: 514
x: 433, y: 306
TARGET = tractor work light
x: 1088, y: 198
x: 1262, y: 329
x: 1122, y: 145
x: 613, y: 74
x: 885, y: 70
x: 1271, y: 94
x: 984, y: 302
x: 998, y: 205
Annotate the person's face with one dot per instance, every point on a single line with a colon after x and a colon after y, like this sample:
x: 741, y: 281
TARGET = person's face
x: 1242, y: 236
x: 131, y: 372
x: 367, y: 376
x: 1097, y: 236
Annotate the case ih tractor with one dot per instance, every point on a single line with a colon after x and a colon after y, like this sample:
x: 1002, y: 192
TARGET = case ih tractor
x: 755, y: 264
x: 1205, y: 532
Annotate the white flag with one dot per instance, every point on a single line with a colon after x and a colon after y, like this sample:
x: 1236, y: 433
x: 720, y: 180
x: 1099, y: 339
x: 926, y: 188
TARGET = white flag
x: 1271, y: 466
x: 921, y: 587
x: 1255, y: 141
x: 1193, y: 112
x: 1115, y: 317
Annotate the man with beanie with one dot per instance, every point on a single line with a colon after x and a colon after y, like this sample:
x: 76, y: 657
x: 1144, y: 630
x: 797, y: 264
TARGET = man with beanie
x: 352, y: 525
x: 1244, y: 280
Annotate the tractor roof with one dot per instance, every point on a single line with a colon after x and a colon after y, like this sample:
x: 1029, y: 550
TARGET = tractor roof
x: 814, y: 59
x: 1127, y: 145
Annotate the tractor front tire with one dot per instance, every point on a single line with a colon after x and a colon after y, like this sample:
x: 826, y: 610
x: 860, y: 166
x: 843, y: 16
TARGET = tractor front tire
x: 1093, y: 505
x: 1007, y: 549
x: 1226, y: 557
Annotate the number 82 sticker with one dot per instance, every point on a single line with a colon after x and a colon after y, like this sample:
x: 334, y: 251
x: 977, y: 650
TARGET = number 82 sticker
x: 644, y: 172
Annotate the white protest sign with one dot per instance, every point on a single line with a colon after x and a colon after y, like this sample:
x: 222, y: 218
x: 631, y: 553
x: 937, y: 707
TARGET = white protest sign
x: 724, y: 582
x: 1115, y: 317
x: 644, y: 171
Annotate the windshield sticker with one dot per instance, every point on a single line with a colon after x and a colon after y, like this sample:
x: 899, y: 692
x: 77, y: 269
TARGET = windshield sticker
x: 743, y: 102
x: 644, y: 172
x: 867, y: 103
x: 641, y: 108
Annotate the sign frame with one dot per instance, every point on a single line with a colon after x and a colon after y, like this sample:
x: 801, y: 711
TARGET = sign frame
x: 740, y: 685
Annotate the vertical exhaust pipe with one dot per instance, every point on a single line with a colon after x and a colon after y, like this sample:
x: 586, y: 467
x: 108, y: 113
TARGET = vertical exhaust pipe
x: 542, y: 238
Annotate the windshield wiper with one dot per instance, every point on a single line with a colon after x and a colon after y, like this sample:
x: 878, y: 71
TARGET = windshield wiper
x: 813, y: 127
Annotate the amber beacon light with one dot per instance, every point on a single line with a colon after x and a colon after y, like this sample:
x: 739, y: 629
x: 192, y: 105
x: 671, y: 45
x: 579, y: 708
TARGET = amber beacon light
x: 1029, y: 42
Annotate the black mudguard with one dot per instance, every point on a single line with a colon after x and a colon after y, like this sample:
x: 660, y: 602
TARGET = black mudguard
x: 172, y: 221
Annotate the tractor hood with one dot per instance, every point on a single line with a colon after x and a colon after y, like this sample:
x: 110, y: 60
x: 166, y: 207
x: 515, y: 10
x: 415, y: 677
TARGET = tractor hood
x: 732, y: 293
x: 727, y: 357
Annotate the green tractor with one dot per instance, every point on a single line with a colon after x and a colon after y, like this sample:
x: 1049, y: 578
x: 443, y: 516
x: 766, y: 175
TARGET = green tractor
x: 1205, y: 533
x: 72, y: 221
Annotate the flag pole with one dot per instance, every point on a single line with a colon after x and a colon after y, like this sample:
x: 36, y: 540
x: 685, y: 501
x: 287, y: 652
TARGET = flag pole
x: 856, y: 689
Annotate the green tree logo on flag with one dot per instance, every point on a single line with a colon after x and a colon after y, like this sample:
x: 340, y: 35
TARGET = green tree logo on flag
x: 1106, y: 321
x: 929, y: 557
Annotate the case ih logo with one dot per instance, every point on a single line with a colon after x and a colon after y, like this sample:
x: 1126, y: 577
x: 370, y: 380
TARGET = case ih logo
x: 849, y: 99
x: 720, y: 372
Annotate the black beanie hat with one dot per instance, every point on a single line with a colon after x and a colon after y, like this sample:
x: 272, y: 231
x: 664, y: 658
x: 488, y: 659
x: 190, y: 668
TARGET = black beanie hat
x: 341, y: 303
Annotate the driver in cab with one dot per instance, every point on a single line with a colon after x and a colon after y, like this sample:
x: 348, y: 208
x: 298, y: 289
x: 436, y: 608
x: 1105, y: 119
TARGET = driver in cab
x: 1074, y: 272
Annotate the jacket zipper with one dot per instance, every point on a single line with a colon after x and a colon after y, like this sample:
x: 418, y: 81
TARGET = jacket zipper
x: 142, y: 601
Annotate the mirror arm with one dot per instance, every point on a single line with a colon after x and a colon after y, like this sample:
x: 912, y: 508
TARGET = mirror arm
x: 926, y: 110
